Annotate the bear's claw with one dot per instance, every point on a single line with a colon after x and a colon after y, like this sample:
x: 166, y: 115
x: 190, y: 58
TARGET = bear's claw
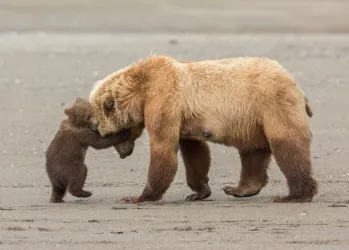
x: 240, y: 192
x: 130, y: 199
x: 196, y: 197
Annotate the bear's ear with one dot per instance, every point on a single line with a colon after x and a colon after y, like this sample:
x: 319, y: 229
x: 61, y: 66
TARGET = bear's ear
x: 137, y: 76
x: 108, y: 103
x: 69, y: 112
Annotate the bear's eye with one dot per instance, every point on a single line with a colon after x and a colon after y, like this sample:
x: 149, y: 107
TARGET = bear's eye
x: 108, y: 104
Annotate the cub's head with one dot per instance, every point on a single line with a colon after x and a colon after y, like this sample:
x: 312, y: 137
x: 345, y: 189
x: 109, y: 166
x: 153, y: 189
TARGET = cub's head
x: 80, y: 114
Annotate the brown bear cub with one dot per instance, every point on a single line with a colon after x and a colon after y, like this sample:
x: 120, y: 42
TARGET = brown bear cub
x: 65, y: 155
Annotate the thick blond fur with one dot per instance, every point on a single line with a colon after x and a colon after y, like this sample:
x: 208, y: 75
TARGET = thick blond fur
x: 246, y: 102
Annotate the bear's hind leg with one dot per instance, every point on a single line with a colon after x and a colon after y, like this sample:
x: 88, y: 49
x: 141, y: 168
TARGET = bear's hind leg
x: 197, y: 160
x: 293, y: 157
x: 253, y: 175
x: 57, y: 194
x: 77, y: 183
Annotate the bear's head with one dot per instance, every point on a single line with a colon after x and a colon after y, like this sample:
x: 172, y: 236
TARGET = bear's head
x: 116, y: 103
x: 80, y: 114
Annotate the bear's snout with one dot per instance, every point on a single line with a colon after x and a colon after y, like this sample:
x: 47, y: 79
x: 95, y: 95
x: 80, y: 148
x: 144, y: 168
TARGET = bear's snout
x: 94, y: 122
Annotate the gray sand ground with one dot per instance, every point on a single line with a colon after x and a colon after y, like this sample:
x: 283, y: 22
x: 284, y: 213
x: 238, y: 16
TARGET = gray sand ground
x: 44, y: 65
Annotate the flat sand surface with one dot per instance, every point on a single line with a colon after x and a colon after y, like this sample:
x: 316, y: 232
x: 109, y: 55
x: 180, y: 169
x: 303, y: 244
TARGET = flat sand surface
x: 43, y: 69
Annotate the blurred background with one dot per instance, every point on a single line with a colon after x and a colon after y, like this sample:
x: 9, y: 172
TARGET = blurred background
x: 53, y: 51
x: 222, y: 16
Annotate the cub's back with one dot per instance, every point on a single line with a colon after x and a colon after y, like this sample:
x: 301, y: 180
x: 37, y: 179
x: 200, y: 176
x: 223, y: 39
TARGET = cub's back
x: 65, y: 146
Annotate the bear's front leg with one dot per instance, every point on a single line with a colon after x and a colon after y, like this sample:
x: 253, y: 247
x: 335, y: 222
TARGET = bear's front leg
x: 162, y: 121
x: 162, y: 169
x: 164, y: 138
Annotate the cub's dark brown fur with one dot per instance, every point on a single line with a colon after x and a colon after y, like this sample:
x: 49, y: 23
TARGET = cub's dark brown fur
x: 66, y: 154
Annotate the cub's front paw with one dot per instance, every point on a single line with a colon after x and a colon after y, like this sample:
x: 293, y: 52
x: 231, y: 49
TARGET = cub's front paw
x: 125, y: 149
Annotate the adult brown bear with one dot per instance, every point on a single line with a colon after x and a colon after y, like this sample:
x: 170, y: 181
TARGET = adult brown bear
x: 249, y: 103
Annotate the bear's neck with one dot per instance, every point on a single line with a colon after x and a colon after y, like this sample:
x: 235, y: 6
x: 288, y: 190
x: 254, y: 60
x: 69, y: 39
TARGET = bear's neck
x: 139, y: 79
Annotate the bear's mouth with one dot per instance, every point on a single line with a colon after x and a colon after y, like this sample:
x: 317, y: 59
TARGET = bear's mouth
x: 93, y: 127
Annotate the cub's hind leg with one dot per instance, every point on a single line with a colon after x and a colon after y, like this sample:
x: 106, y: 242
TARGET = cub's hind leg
x: 58, y: 192
x: 253, y: 177
x: 77, y: 182
x: 59, y: 185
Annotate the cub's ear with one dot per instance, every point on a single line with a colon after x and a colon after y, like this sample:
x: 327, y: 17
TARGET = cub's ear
x: 108, y: 103
x: 69, y: 112
x: 79, y: 99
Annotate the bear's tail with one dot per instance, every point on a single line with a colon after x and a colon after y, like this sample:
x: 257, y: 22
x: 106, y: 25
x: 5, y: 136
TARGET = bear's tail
x: 307, y: 107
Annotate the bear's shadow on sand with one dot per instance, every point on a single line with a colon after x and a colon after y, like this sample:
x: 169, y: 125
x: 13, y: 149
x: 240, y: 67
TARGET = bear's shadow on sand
x: 222, y: 202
